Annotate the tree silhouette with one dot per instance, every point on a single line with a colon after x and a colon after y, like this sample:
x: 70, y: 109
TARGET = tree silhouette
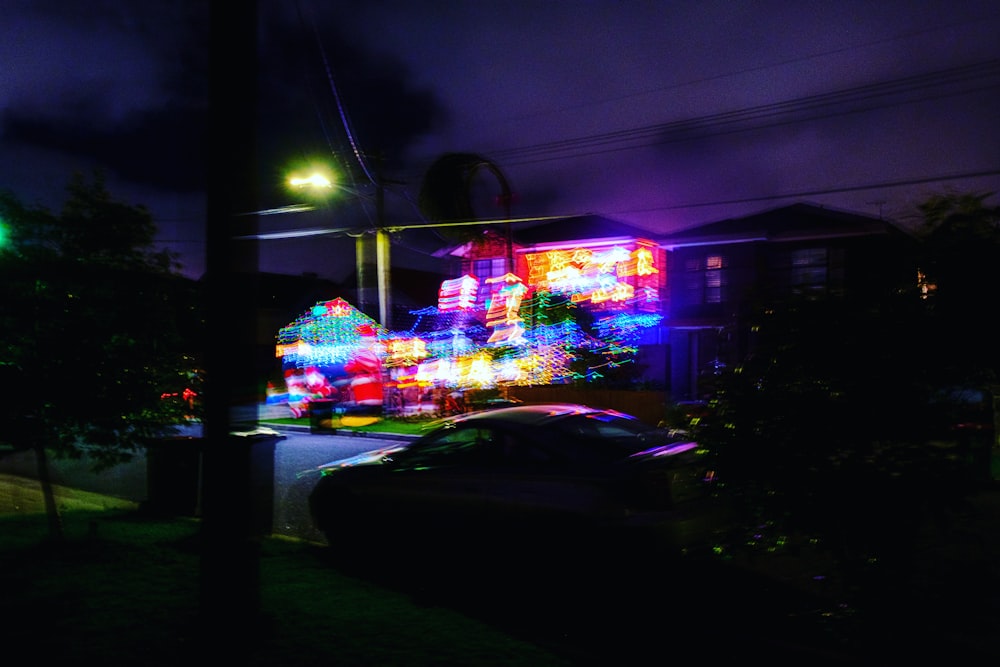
x: 99, y: 332
x: 845, y: 419
x: 961, y: 251
x: 446, y: 194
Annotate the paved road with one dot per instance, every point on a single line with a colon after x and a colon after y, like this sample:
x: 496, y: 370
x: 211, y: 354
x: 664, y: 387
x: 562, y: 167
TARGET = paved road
x: 297, y: 452
x: 300, y: 452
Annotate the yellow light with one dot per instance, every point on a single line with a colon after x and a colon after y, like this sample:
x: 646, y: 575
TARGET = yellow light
x: 314, y: 180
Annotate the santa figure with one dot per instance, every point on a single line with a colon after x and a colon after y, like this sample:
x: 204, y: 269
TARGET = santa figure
x: 365, y: 370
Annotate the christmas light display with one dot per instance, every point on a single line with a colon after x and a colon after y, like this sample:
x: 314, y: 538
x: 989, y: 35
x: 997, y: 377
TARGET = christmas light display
x: 503, y: 314
x: 528, y: 334
x: 458, y: 294
x: 330, y: 333
x: 615, y: 276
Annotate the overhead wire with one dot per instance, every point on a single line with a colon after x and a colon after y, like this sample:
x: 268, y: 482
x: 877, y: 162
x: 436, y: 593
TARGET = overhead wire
x: 341, y: 108
x: 310, y: 25
x: 771, y: 115
x: 940, y: 178
x: 935, y: 30
x: 927, y: 86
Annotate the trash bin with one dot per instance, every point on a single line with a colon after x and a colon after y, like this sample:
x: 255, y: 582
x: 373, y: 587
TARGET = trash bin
x: 321, y: 413
x: 174, y: 473
x: 173, y: 476
x: 261, y: 443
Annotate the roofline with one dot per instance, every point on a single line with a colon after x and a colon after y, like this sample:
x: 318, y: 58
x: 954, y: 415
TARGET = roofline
x: 611, y: 240
x: 778, y: 238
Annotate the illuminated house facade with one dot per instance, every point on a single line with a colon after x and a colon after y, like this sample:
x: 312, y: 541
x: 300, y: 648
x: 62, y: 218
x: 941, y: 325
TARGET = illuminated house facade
x: 576, y: 299
x: 685, y: 296
x: 613, y: 274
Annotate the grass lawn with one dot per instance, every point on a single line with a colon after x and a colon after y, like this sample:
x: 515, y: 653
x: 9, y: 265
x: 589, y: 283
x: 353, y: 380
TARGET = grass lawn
x: 123, y: 590
x: 383, y: 425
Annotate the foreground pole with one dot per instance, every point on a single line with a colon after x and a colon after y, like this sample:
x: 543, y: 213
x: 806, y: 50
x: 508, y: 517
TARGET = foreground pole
x: 230, y: 587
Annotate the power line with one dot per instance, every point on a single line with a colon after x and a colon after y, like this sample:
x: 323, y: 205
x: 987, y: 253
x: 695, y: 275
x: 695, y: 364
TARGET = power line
x: 941, y: 178
x: 937, y: 29
x: 825, y: 191
x: 895, y: 92
x: 948, y: 82
x: 342, y: 109
x: 722, y: 202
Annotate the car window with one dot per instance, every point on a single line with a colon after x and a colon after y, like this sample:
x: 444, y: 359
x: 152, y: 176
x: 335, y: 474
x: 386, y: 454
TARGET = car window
x: 481, y: 445
x: 608, y: 437
x: 451, y: 446
x: 515, y: 452
x: 602, y: 426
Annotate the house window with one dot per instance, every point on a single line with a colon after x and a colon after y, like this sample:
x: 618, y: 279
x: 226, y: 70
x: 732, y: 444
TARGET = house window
x: 809, y: 271
x: 706, y: 278
x: 714, y: 278
x: 483, y: 269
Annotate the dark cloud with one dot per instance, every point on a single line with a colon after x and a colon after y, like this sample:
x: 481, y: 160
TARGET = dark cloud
x: 324, y: 97
x: 162, y: 148
x: 658, y: 114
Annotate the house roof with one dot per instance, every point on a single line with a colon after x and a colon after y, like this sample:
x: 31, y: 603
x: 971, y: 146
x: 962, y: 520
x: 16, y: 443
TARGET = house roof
x: 572, y: 228
x: 802, y: 220
x: 576, y: 227
x: 798, y: 221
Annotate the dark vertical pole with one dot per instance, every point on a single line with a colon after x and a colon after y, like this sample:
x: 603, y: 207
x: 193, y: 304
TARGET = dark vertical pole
x: 382, y: 251
x: 230, y: 557
x: 361, y: 253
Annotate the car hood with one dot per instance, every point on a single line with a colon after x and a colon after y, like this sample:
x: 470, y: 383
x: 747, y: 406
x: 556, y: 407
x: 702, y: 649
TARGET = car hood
x: 668, y: 450
x: 373, y: 457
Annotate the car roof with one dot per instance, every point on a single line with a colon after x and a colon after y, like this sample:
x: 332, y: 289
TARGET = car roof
x: 534, y: 414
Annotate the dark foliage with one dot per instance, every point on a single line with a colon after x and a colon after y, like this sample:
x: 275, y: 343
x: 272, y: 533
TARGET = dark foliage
x: 446, y: 194
x: 853, y: 422
x: 100, y: 333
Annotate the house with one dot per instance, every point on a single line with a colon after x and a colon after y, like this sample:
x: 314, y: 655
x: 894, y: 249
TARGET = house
x: 613, y: 272
x: 700, y: 282
x: 719, y: 272
x: 658, y: 311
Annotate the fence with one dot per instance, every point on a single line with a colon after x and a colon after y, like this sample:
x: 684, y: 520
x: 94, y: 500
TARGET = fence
x: 649, y: 406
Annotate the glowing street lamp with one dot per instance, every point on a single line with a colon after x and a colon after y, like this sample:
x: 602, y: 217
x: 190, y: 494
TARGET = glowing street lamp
x: 315, y: 181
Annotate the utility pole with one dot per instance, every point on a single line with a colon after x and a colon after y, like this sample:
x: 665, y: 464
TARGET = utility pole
x: 230, y: 559
x: 382, y: 259
x: 362, y: 270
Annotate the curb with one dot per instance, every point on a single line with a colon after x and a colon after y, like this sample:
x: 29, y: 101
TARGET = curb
x: 345, y: 432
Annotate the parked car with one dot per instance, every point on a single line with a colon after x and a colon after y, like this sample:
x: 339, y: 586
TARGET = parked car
x: 503, y: 482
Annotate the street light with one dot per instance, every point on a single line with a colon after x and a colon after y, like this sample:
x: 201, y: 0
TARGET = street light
x: 315, y: 181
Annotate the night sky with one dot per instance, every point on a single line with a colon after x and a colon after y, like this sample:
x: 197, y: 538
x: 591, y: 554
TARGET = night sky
x: 660, y: 114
